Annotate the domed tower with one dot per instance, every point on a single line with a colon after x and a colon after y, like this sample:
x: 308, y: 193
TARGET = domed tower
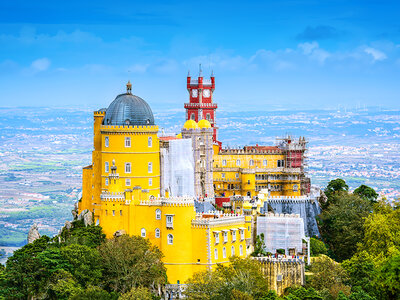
x: 126, y: 152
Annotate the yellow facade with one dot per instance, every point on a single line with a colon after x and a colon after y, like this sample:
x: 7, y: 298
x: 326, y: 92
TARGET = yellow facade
x: 126, y: 200
x: 246, y: 173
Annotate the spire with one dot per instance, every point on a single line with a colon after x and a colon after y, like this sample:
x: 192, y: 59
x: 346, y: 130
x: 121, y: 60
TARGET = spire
x: 129, y: 88
x: 188, y: 73
x: 200, y: 71
x: 212, y: 73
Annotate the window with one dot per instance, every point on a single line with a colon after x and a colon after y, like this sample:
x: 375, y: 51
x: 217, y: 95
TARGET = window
x: 237, y: 175
x: 150, y: 142
x: 127, y: 142
x: 278, y: 163
x: 224, y: 162
x: 265, y: 162
x: 143, y: 232
x: 233, y: 235
x: 192, y: 117
x: 158, y: 214
x: 150, y: 167
x: 225, y: 234
x: 208, y: 117
x: 224, y: 252
x: 241, y: 250
x: 242, y: 234
x: 106, y: 181
x: 238, y: 162
x: 127, y: 167
x: 216, y: 237
x: 170, y: 221
x: 295, y: 188
x: 170, y: 239
x: 106, y: 141
x: 120, y: 212
x: 223, y: 175
x: 127, y: 181
x: 106, y: 167
x: 150, y: 181
x: 251, y: 162
x: 216, y: 253
x: 157, y: 233
x: 232, y: 251
x: 106, y: 212
x: 113, y: 213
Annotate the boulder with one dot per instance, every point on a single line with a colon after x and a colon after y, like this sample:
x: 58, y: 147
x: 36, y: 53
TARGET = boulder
x: 33, y: 234
x: 87, y: 217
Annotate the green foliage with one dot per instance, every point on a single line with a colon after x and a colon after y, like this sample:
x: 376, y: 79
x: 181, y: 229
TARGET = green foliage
x: 317, y: 247
x: 131, y: 262
x: 343, y: 224
x: 361, y: 271
x: 259, y: 247
x: 94, y: 293
x: 334, y: 187
x: 388, y: 276
x: 91, y: 236
x: 300, y: 293
x: 328, y: 277
x: 243, y: 277
x: 139, y: 293
x: 366, y: 192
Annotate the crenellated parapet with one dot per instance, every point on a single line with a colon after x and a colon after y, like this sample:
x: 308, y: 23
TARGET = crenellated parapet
x: 128, y: 129
x: 173, y: 201
x: 288, y: 199
x: 112, y: 196
x: 245, y: 151
x: 216, y: 218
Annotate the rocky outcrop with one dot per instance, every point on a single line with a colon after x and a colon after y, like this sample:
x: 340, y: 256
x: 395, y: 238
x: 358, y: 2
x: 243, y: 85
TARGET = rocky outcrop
x: 75, y: 211
x: 87, y: 217
x: 33, y: 233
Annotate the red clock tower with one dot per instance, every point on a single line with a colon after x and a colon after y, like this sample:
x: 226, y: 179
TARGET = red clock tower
x: 201, y: 104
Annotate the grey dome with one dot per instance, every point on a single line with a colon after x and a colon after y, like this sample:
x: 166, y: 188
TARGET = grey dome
x: 128, y: 109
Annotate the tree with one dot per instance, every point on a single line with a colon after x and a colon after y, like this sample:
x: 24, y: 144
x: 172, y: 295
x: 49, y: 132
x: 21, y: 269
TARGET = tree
x: 328, y: 276
x: 317, y: 247
x: 366, y: 192
x: 300, y: 293
x: 334, y: 187
x: 94, y: 293
x: 131, y: 262
x: 361, y: 272
x: 388, y: 276
x: 259, y: 247
x: 342, y: 224
x: 91, y: 236
x: 242, y: 278
x: 139, y: 293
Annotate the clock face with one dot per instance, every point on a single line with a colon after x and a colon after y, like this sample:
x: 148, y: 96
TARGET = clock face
x: 194, y: 93
x: 206, y: 93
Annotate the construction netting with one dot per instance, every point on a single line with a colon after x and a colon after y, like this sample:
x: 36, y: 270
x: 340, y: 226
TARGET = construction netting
x: 281, y: 231
x: 178, y: 168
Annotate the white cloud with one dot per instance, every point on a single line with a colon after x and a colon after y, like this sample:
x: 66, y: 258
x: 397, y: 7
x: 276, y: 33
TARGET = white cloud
x: 41, y: 64
x: 308, y: 48
x: 376, y: 54
x: 313, y: 51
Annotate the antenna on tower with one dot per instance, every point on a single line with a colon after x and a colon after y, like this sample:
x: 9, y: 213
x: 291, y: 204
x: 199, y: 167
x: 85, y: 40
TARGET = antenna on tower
x: 200, y: 71
x: 212, y: 73
x: 188, y: 73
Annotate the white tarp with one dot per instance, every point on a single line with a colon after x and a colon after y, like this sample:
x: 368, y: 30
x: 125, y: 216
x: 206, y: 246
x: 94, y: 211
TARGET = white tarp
x: 281, y: 232
x: 178, y: 168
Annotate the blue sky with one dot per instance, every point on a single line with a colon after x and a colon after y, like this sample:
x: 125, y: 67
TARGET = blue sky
x: 265, y: 54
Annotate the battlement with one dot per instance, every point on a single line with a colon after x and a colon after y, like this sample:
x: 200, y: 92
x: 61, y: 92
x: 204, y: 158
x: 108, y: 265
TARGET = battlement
x: 217, y: 218
x: 173, y: 201
x: 288, y: 199
x: 201, y: 105
x: 272, y: 215
x: 111, y: 196
x: 248, y: 151
x: 280, y: 259
x: 99, y: 113
x: 128, y: 128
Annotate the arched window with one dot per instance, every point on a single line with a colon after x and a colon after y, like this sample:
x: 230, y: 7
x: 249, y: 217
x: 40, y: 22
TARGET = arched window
x: 233, y: 251
x: 224, y: 252
x: 157, y: 233
x: 208, y: 117
x: 265, y: 162
x: 241, y: 250
x: 238, y: 162
x: 158, y: 214
x: 127, y: 141
x: 106, y: 141
x: 224, y: 162
x: 143, y: 232
x: 150, y: 142
x: 251, y: 163
x: 170, y: 239
x: 216, y: 253
x: 127, y: 167
x: 106, y: 167
x: 150, y: 167
x: 192, y: 117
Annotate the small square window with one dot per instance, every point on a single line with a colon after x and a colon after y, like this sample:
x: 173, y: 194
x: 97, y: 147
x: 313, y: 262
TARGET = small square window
x: 224, y: 162
x: 127, y: 167
x: 128, y: 182
x: 150, y: 181
x: 238, y: 162
x: 127, y: 142
x: 106, y: 141
x: 106, y: 181
x: 170, y: 221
